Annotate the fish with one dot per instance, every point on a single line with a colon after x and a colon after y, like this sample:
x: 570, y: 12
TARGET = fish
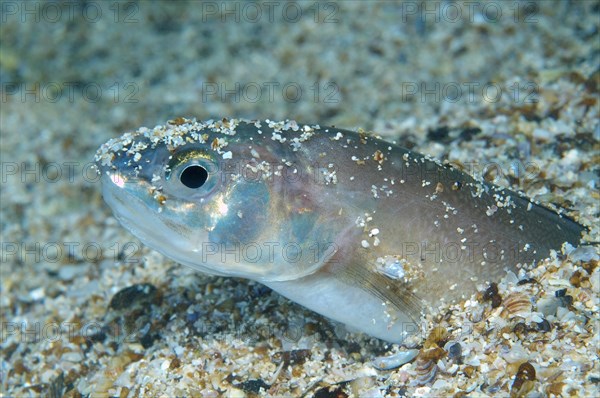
x: 355, y: 228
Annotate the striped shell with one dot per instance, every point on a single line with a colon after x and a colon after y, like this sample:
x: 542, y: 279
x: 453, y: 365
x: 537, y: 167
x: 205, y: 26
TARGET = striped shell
x: 517, y: 304
x: 426, y: 365
x: 426, y: 371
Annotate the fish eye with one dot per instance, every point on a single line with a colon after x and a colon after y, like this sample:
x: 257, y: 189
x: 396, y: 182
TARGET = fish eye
x: 193, y: 176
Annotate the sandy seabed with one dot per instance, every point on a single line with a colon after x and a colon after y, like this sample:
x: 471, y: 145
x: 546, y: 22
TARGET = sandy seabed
x: 86, y: 310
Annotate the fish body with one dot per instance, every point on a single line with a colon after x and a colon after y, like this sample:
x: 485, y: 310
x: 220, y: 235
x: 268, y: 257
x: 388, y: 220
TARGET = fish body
x: 355, y: 228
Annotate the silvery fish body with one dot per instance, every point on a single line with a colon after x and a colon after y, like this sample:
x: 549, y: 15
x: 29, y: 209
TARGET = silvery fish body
x: 350, y: 226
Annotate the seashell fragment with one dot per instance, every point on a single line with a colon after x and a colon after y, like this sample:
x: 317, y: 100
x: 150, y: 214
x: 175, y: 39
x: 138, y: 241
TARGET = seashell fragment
x: 524, y: 380
x: 426, y: 367
x: 426, y: 371
x: 517, y: 304
x: 395, y: 360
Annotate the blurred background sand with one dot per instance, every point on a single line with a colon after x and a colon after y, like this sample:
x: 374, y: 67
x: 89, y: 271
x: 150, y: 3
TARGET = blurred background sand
x: 462, y: 81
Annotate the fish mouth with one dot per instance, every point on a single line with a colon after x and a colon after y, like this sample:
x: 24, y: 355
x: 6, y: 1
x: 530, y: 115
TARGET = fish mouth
x: 143, y: 221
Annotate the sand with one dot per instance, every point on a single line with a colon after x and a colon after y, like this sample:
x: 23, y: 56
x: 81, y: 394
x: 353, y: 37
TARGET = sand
x: 86, y: 310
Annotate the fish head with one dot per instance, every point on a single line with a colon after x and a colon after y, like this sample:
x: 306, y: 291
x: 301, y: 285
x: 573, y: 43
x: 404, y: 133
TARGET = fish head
x: 208, y: 197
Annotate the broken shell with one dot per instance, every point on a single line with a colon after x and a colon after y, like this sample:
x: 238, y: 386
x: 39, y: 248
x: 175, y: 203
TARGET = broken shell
x: 454, y: 350
x: 548, y: 305
x: 395, y: 360
x: 426, y: 371
x: 524, y: 380
x: 426, y: 364
x: 517, y: 304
